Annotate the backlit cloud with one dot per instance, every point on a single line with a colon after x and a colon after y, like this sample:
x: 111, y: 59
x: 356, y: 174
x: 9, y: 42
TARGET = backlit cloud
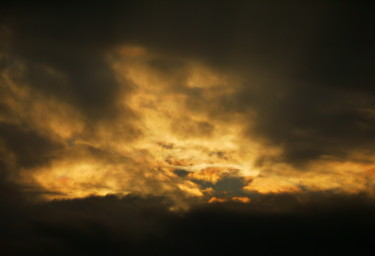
x: 184, y: 112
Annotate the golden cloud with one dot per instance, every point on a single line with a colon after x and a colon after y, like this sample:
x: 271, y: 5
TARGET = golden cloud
x: 166, y: 122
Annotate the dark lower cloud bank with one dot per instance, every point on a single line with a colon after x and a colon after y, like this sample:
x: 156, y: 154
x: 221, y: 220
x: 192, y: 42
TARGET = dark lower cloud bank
x: 322, y: 225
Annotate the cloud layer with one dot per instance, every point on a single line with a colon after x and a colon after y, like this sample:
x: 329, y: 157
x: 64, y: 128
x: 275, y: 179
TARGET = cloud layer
x: 253, y: 113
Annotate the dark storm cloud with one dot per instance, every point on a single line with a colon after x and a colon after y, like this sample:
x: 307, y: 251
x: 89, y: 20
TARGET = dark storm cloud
x: 312, y: 121
x: 30, y: 148
x: 71, y: 41
x: 318, y: 110
x: 134, y: 225
x: 342, y: 54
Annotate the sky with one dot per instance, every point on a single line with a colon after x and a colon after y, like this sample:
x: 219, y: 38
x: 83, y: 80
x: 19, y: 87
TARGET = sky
x: 180, y: 127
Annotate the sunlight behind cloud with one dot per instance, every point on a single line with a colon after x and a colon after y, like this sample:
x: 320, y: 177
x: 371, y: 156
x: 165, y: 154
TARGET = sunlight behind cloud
x: 169, y: 119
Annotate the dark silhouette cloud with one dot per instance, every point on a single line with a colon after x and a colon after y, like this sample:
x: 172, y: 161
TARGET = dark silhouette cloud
x: 134, y: 225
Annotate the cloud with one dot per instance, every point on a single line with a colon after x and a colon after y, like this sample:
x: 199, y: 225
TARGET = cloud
x: 134, y: 224
x: 137, y: 127
x: 115, y: 98
x: 29, y: 148
x: 283, y: 63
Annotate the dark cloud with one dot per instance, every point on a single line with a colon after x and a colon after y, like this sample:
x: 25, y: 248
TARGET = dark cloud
x: 29, y: 148
x: 342, y: 54
x: 75, y: 49
x: 134, y: 225
x: 319, y: 113
x: 312, y: 121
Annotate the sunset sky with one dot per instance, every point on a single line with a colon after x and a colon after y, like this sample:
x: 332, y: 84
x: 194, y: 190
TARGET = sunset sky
x: 171, y: 127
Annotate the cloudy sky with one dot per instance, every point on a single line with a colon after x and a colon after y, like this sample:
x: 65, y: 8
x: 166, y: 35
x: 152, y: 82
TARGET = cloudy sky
x: 166, y: 127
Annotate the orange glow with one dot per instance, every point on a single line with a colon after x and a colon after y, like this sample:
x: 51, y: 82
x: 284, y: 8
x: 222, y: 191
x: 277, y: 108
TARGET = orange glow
x: 216, y: 200
x: 164, y: 127
x: 242, y: 199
